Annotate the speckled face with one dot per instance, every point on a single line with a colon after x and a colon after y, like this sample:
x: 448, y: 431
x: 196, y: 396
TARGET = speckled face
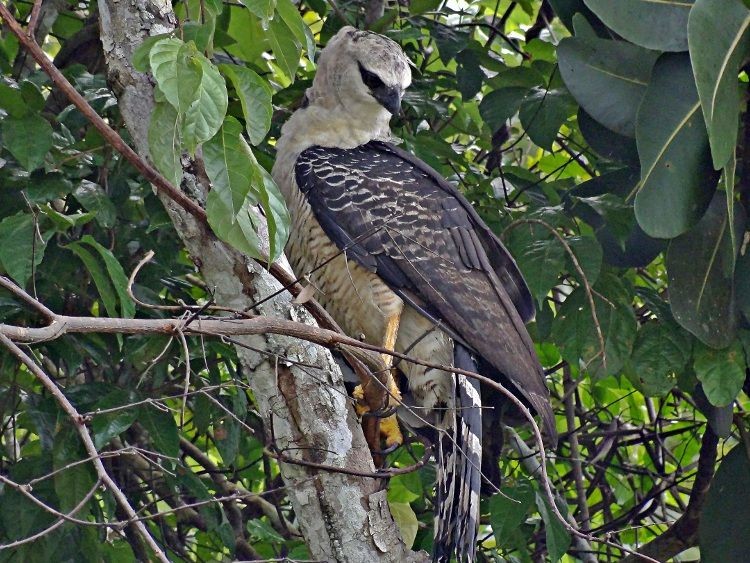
x: 365, y: 71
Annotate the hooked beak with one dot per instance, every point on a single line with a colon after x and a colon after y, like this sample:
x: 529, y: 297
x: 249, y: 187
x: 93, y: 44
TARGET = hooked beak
x: 389, y: 98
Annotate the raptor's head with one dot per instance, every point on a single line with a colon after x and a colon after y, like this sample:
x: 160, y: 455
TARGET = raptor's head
x: 363, y: 72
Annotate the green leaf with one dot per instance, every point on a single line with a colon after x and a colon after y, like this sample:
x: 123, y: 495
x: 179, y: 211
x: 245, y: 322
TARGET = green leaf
x: 724, y: 528
x: 700, y: 267
x: 722, y: 372
x: 232, y: 168
x: 240, y: 231
x: 719, y: 38
x: 263, y: 531
x: 108, y: 425
x: 661, y: 26
x: 141, y: 56
x: 164, y: 142
x: 101, y: 280
x: 558, y: 538
x: 605, y: 142
x: 277, y: 216
x: 161, y: 428
x: 261, y: 8
x: 28, y: 138
x: 677, y: 179
x: 285, y: 47
x: 206, y: 114
x: 289, y: 13
x: 588, y: 253
x: 541, y: 262
x: 607, y: 78
x: 227, y: 437
x: 543, y: 112
x: 509, y: 509
x: 116, y: 275
x: 660, y: 353
x: 11, y: 100
x: 163, y: 57
x: 189, y: 75
x: 93, y: 198
x: 255, y: 96
x: 500, y: 105
x: 406, y: 520
x: 73, y: 482
x: 575, y: 333
x: 19, y: 244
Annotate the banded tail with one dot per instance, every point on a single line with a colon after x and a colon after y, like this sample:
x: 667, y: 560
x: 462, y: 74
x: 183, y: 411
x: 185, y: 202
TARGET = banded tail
x: 459, y: 463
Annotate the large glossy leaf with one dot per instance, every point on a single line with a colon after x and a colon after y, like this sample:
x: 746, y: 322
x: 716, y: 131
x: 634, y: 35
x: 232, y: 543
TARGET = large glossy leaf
x: 110, y: 424
x: 255, y: 96
x: 94, y: 199
x: 240, y: 230
x: 607, y: 78
x: 677, y: 178
x: 600, y: 202
x: 661, y: 26
x: 700, y: 267
x: 724, y: 529
x: 28, y: 138
x: 101, y: 280
x: 719, y: 38
x: 557, y: 536
x: 722, y: 372
x: 605, y: 142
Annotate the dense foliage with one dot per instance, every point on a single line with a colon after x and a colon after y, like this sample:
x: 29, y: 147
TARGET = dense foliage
x: 605, y: 142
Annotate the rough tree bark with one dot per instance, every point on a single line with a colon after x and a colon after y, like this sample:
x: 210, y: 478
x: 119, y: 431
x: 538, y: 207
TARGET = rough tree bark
x: 343, y: 518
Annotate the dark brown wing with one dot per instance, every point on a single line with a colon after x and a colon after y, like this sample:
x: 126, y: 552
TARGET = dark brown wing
x: 396, y: 216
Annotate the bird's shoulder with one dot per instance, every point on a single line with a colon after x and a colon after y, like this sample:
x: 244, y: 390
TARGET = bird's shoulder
x: 390, y: 199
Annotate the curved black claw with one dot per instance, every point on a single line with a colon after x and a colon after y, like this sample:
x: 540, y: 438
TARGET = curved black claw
x: 381, y: 413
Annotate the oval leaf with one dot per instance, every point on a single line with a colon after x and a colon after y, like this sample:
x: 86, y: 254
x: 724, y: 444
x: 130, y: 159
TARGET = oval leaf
x: 255, y: 96
x: 719, y: 38
x: 661, y: 26
x: 677, y: 178
x: 607, y: 78
x: 700, y: 266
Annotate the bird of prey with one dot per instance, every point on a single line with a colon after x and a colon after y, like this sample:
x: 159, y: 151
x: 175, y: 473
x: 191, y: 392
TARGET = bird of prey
x: 403, y: 261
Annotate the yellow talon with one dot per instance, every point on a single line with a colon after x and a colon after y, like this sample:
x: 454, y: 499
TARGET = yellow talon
x: 390, y: 431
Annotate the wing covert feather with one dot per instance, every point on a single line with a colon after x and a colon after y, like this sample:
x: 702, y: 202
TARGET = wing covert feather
x: 397, y: 217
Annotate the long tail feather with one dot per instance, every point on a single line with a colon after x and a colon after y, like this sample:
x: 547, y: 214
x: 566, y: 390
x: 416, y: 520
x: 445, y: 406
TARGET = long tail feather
x: 459, y: 461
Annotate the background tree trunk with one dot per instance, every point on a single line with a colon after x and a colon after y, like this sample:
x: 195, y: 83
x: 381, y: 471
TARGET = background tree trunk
x: 343, y: 517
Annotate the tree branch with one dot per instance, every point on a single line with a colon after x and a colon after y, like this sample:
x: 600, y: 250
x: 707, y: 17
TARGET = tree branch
x: 683, y: 534
x: 88, y: 443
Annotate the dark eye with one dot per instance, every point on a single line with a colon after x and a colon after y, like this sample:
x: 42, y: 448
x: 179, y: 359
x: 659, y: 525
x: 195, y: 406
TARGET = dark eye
x: 371, y: 80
